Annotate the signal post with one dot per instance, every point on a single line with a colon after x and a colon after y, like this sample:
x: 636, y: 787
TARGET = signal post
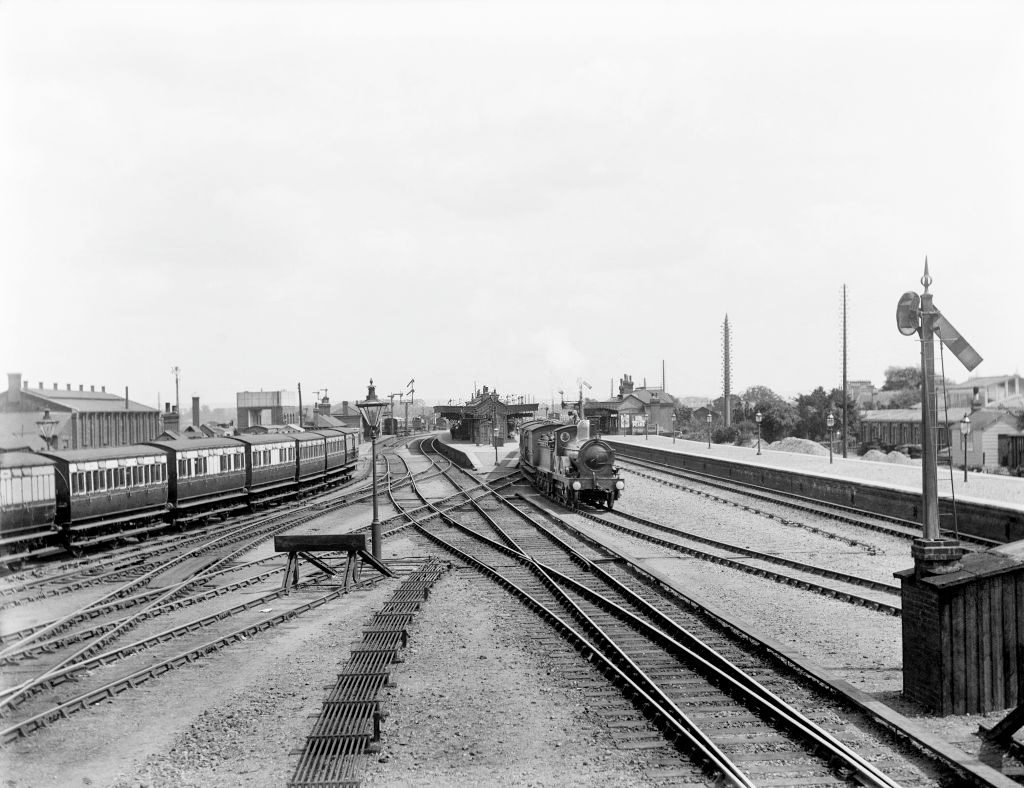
x: 962, y: 613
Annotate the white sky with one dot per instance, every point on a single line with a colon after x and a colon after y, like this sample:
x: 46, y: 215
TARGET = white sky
x: 508, y: 193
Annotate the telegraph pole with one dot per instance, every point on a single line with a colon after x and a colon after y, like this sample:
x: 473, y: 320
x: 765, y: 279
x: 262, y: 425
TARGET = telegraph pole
x: 176, y: 371
x: 846, y: 395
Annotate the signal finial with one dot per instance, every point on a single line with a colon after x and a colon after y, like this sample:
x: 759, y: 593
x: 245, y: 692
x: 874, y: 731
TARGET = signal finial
x: 926, y: 280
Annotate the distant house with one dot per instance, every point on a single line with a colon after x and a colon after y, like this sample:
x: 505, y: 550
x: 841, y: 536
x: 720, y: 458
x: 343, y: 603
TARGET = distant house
x: 348, y: 415
x: 983, y: 392
x: 211, y: 430
x: 983, y: 441
x: 899, y: 426
x: 634, y: 412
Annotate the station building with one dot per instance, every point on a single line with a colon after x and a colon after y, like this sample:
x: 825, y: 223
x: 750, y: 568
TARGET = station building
x: 74, y: 418
x: 478, y: 419
x: 634, y: 412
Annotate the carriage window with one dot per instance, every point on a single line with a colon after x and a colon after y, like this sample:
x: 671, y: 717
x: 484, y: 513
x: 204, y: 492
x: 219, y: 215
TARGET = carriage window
x: 74, y: 484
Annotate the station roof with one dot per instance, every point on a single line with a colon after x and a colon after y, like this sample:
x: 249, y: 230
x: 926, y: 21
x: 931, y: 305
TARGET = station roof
x: 485, y: 407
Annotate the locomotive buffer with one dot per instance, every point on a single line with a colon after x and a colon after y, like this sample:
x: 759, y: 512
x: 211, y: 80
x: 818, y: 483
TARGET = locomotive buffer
x: 304, y: 545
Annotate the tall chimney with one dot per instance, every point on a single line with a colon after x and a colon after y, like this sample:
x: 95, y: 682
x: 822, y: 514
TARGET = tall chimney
x: 103, y: 389
x: 195, y: 411
x: 69, y: 386
x: 81, y: 387
x: 54, y: 386
x: 126, y: 398
x: 13, y: 388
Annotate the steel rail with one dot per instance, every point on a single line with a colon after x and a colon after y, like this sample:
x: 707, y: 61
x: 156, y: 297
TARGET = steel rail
x: 11, y: 694
x: 109, y: 690
x: 835, y: 511
x: 176, y: 604
x: 833, y: 574
x: 694, y: 742
x: 713, y: 666
x: 829, y: 591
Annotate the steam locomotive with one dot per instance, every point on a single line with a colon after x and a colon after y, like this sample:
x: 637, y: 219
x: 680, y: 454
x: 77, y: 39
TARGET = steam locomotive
x: 563, y: 461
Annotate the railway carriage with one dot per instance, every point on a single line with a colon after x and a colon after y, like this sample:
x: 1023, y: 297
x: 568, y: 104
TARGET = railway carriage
x: 106, y: 494
x: 206, y: 477
x: 563, y: 461
x: 270, y: 466
x: 342, y: 449
x: 311, y: 459
x: 28, y: 503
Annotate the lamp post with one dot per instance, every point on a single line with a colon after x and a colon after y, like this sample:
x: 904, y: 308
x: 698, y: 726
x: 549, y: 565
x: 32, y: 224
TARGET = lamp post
x: 709, y: 429
x: 371, y: 408
x: 830, y: 420
x: 965, y: 430
x: 757, y: 418
x: 47, y: 425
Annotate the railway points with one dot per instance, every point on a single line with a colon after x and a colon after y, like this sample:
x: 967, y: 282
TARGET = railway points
x: 515, y: 661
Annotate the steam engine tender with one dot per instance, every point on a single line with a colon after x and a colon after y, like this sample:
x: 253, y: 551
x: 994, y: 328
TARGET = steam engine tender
x: 563, y: 461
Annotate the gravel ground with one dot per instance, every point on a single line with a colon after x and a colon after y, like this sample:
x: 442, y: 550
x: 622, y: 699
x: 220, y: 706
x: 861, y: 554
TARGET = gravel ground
x: 854, y: 643
x: 475, y: 701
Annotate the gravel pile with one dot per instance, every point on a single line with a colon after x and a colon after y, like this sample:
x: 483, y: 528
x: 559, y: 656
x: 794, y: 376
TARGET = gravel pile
x: 798, y: 446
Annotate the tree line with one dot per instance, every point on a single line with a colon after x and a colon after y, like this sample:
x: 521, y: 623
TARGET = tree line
x: 806, y: 416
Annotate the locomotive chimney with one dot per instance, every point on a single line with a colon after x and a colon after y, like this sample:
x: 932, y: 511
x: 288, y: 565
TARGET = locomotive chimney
x: 195, y: 411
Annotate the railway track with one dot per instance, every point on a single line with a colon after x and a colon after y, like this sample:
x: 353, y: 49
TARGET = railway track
x: 633, y: 631
x: 854, y: 589
x: 737, y: 493
x: 88, y: 645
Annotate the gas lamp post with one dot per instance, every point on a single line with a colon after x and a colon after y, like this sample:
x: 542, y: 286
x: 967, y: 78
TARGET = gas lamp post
x: 47, y: 425
x: 965, y: 430
x: 830, y: 420
x: 709, y: 429
x: 371, y: 408
x: 757, y: 418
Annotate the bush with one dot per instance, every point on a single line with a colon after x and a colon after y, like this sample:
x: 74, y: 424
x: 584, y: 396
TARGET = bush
x: 725, y: 435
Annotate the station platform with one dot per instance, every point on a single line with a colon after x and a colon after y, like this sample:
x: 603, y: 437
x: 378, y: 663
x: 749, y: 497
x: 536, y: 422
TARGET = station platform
x: 980, y: 487
x: 484, y: 459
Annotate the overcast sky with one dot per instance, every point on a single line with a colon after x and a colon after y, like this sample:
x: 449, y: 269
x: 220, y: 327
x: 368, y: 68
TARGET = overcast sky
x: 512, y: 194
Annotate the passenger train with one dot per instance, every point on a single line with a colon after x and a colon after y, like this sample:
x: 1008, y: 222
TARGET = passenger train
x: 563, y: 461
x: 76, y: 499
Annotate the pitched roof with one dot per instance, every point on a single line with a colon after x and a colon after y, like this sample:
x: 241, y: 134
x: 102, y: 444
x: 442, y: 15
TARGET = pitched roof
x: 912, y: 415
x: 84, y: 401
x: 991, y: 380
